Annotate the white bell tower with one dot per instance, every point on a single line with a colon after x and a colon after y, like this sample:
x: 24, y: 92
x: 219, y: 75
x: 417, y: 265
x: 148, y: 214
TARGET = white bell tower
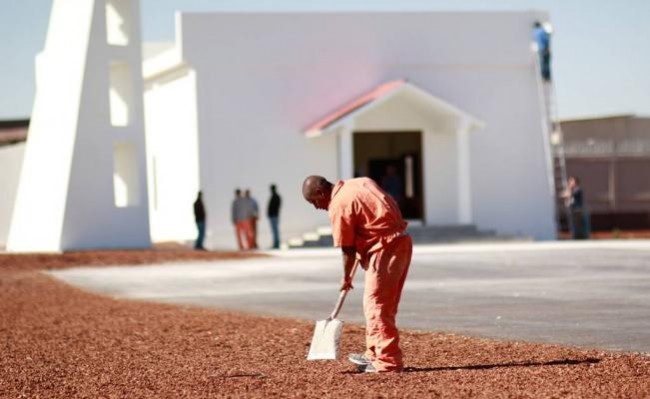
x: 83, y: 182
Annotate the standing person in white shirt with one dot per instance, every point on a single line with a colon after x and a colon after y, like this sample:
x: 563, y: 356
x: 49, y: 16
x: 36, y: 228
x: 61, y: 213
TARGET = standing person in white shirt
x: 240, y: 215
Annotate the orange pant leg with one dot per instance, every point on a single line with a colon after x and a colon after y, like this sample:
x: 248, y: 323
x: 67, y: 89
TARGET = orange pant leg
x: 250, y: 234
x: 385, y: 279
x: 241, y: 231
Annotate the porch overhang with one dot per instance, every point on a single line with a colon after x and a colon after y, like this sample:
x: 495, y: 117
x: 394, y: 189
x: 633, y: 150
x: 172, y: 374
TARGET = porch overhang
x: 440, y: 112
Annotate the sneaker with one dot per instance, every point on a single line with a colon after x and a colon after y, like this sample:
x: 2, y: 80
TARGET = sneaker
x: 368, y: 368
x: 359, y: 359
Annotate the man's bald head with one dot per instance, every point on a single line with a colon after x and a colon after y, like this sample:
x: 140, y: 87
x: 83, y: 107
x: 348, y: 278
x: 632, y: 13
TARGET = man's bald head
x: 317, y: 191
x: 312, y: 183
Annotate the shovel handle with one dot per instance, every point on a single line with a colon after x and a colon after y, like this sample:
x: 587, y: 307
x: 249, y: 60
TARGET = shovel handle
x: 343, y: 294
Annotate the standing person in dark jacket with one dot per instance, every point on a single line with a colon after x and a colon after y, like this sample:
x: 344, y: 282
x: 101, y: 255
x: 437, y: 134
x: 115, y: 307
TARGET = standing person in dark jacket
x: 199, y: 217
x: 273, y: 213
x: 579, y: 223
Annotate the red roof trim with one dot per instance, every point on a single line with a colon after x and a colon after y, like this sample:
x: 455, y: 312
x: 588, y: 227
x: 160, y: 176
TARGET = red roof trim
x: 352, y: 106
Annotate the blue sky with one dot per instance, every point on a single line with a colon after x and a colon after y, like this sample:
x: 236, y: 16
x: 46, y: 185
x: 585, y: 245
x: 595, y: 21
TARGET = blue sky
x: 601, y: 48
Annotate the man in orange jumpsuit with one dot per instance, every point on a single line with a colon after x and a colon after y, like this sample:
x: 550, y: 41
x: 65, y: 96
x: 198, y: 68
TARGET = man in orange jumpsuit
x: 367, y: 222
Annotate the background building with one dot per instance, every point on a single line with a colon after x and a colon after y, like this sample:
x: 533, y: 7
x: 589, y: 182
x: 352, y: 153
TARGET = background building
x: 611, y: 156
x: 248, y: 99
x: 13, y: 134
x: 452, y: 102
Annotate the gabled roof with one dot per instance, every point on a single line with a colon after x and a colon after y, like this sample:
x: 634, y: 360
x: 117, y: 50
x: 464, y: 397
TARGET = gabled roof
x: 14, y: 123
x: 379, y: 95
x: 13, y: 131
x: 352, y: 106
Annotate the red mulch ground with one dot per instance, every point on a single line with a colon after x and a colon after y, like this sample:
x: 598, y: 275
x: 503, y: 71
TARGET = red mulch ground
x: 15, y: 262
x: 60, y: 342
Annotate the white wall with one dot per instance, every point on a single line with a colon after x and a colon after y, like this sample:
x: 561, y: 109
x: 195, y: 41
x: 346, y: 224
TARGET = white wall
x: 172, y: 156
x: 441, y: 178
x: 398, y: 114
x: 42, y: 190
x: 509, y: 184
x: 269, y: 76
x: 248, y: 139
x: 11, y: 159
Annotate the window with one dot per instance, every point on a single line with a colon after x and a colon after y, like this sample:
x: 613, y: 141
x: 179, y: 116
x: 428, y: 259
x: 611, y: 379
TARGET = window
x: 126, y: 185
x: 118, y: 26
x: 121, y: 94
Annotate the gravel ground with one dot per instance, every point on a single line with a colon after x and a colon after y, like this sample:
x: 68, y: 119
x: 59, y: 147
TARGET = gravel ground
x: 168, y: 253
x: 58, y: 341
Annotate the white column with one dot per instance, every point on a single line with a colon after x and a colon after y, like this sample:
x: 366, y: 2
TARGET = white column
x: 464, y: 175
x: 346, y: 151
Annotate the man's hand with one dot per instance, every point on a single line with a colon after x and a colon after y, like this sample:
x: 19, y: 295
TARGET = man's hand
x: 346, y: 284
x: 349, y: 254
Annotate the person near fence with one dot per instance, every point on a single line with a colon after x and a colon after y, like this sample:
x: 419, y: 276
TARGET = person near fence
x: 579, y: 223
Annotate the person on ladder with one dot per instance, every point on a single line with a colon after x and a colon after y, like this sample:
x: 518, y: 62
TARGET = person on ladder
x: 543, y: 40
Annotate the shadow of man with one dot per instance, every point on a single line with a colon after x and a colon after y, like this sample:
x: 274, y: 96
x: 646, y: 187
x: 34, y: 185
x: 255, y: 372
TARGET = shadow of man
x: 563, y: 362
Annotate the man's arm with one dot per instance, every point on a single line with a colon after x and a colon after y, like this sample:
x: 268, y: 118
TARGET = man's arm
x: 349, y: 257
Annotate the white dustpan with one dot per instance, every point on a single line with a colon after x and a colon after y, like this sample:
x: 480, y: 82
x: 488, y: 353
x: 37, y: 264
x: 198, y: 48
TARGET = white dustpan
x: 325, y: 342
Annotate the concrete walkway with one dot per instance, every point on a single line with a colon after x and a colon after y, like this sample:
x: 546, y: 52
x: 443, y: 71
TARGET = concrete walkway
x: 591, y: 294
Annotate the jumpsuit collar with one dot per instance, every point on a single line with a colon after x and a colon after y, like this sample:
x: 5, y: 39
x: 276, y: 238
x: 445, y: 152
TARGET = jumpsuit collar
x: 336, y: 188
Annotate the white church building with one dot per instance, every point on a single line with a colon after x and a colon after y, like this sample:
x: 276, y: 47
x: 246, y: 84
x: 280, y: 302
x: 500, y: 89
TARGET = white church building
x: 452, y: 101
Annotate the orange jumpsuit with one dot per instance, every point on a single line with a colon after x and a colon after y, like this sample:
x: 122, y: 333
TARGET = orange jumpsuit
x: 365, y: 217
x: 244, y: 234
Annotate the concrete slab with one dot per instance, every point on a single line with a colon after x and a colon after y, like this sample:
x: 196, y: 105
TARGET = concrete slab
x: 592, y: 294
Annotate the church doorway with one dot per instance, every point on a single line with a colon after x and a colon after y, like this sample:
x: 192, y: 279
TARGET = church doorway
x: 394, y: 161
